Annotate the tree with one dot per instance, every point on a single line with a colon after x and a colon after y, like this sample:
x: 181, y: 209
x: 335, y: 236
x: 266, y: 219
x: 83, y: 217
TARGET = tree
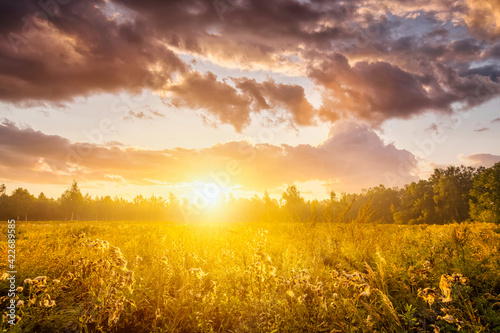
x: 22, y: 201
x: 3, y: 202
x: 156, y: 207
x: 72, y: 200
x: 294, y: 203
x: 271, y: 207
x: 173, y: 207
x: 417, y: 204
x: 172, y: 200
x: 485, y: 196
x: 42, y: 207
x: 451, y: 192
x: 104, y: 207
x: 384, y: 201
x: 314, y: 210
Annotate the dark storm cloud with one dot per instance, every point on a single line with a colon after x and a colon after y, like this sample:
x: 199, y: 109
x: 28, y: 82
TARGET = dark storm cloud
x: 234, y: 105
x: 467, y: 46
x: 372, y: 91
x: 377, y: 91
x: 494, y: 52
x: 74, y: 49
x: 375, y: 60
x: 491, y: 71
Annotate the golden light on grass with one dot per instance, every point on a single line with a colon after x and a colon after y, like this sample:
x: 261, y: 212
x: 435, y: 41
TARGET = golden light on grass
x: 213, y: 277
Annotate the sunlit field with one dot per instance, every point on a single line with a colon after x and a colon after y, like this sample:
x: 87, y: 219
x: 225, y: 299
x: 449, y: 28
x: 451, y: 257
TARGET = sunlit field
x: 272, y: 277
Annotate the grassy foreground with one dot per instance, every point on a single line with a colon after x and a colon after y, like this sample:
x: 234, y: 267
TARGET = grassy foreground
x: 157, y: 277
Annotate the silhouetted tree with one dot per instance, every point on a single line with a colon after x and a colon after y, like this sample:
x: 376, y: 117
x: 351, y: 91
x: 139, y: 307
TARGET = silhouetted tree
x: 331, y: 207
x: 44, y: 207
x: 451, y: 194
x: 271, y: 207
x: 72, y: 200
x: 293, y: 202
x: 21, y: 201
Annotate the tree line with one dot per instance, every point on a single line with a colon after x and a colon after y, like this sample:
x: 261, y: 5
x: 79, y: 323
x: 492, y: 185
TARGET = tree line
x: 454, y: 194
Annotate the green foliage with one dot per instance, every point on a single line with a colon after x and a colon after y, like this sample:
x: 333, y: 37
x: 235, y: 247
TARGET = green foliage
x: 409, y: 316
x: 485, y: 201
x: 443, y: 198
x: 417, y: 204
x: 451, y: 192
x: 384, y: 201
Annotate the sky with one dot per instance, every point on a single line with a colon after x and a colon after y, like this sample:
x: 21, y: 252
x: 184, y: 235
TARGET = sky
x: 238, y: 97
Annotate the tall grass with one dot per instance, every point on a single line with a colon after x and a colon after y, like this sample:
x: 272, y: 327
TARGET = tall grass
x: 290, y: 277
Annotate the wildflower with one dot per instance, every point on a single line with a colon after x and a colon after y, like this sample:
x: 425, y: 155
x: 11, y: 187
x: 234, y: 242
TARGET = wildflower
x: 198, y: 272
x: 436, y: 329
x: 369, y: 322
x: 117, y: 257
x: 40, y: 279
x: 264, y: 257
x: 19, y: 289
x: 48, y: 303
x: 459, y: 278
x: 114, y: 250
x: 445, y: 287
x: 20, y: 303
x: 113, y: 317
x: 55, y: 281
x: 367, y: 292
x: 121, y: 262
x: 428, y: 294
x: 4, y: 276
x: 99, y: 245
x: 105, y: 244
x: 28, y: 281
x: 448, y: 318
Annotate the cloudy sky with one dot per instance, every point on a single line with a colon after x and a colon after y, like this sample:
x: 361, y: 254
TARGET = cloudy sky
x: 141, y: 97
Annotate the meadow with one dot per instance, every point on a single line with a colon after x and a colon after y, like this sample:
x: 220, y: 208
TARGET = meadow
x: 254, y: 277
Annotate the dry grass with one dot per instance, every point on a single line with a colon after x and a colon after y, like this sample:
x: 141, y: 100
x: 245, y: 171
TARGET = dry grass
x: 157, y: 277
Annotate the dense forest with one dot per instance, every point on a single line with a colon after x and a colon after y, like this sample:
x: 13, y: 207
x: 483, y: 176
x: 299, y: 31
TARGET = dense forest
x: 455, y: 194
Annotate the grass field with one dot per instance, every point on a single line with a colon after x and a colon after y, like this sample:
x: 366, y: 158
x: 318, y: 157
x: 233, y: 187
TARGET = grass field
x: 157, y: 277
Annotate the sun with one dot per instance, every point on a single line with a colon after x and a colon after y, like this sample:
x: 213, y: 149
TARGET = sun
x: 208, y: 194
